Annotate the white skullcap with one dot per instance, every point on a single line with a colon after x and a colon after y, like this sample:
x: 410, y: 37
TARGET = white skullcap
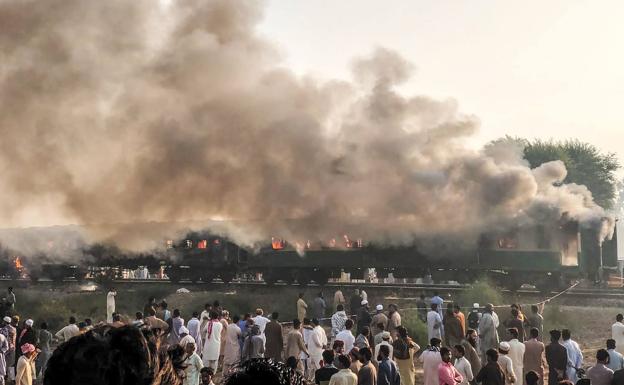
x: 183, y: 330
x: 29, y: 322
x: 7, y: 319
x: 364, y: 302
x: 475, y: 305
x: 379, y: 307
x: 504, y: 346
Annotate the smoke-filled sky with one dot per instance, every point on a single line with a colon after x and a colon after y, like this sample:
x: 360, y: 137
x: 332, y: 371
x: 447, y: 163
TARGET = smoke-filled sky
x: 124, y: 112
x: 536, y: 69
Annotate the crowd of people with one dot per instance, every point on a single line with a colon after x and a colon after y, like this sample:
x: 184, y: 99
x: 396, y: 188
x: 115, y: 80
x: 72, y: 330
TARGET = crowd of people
x: 353, y: 344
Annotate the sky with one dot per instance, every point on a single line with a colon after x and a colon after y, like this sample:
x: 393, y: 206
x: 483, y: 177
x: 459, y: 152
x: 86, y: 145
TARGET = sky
x: 532, y: 69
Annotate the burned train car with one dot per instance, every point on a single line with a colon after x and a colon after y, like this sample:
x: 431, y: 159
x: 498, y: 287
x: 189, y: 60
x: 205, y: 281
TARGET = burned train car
x: 547, y: 257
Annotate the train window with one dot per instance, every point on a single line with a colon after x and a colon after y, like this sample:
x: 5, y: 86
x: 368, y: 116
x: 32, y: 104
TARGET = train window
x: 203, y: 244
x: 189, y: 244
x: 169, y: 244
x: 277, y: 244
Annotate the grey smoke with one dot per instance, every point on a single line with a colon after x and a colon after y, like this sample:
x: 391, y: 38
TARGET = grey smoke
x: 123, y: 112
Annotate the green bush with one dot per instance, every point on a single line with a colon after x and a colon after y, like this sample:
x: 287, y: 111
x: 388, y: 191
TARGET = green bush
x: 416, y: 328
x: 482, y: 292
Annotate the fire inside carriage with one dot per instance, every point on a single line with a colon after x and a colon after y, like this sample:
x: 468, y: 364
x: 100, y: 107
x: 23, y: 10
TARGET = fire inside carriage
x: 547, y: 257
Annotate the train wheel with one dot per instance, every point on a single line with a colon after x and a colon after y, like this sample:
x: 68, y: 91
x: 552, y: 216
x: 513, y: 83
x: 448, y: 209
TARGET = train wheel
x: 303, y: 278
x: 227, y: 276
x: 321, y: 277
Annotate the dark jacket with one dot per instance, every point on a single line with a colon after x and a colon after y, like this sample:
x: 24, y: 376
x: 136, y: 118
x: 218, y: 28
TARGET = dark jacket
x: 491, y: 374
x: 363, y: 318
x: 388, y: 374
x: 274, y: 341
x: 324, y: 374
x: 557, y: 358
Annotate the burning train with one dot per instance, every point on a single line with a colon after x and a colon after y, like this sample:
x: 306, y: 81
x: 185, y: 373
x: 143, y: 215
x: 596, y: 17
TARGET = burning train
x: 547, y: 257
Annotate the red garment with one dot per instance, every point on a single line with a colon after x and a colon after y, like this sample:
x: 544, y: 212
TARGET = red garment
x: 448, y: 375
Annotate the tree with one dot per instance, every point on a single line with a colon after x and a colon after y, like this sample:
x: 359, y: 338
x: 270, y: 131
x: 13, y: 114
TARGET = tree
x: 586, y: 165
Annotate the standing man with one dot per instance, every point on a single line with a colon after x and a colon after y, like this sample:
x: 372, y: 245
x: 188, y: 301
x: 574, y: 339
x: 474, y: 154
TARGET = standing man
x: 44, y: 339
x: 176, y: 323
x: 363, y: 316
x: 26, y: 365
x: 616, y: 360
x: 617, y: 333
x: 437, y: 300
x: 536, y: 320
x: 447, y: 373
x: 367, y: 375
x: 4, y: 348
x: 491, y: 373
x: 347, y: 336
x: 516, y: 353
x: 515, y: 323
x: 434, y: 323
x: 378, y: 318
x: 110, y: 305
x: 488, y: 335
x: 394, y: 319
x: 212, y: 342
x: 193, y: 325
x: 505, y: 363
x: 344, y: 376
x: 474, y: 317
x: 261, y: 322
x: 534, y: 355
x: 69, y: 331
x: 388, y: 373
x: 302, y: 308
x: 462, y: 365
x: 599, y: 374
x: 295, y: 346
x: 461, y: 317
x: 10, y: 333
x: 471, y: 351
x: 557, y: 359
x: 316, y: 345
x: 10, y: 300
x: 274, y: 339
x: 431, y: 360
x: 339, y: 298
x: 338, y: 320
x: 575, y: 357
x: 232, y: 349
x: 319, y: 306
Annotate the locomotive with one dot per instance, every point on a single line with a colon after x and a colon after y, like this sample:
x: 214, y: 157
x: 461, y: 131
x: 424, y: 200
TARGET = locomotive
x: 546, y: 256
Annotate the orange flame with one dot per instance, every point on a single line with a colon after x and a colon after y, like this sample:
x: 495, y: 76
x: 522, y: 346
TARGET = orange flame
x: 18, y: 263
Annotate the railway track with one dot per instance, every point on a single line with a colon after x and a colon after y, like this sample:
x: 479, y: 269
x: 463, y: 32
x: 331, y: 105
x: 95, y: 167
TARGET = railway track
x: 405, y: 290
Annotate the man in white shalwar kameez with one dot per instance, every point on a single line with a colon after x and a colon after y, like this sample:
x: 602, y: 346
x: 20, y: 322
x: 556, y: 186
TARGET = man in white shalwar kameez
x: 316, y: 345
x: 617, y: 333
x: 516, y: 353
x: 193, y: 328
x: 575, y: 357
x: 431, y: 359
x: 231, y: 350
x: 110, y: 305
x: 488, y: 335
x: 212, y: 342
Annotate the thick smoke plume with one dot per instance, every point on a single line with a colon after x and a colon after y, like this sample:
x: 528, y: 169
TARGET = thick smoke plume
x: 123, y: 112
